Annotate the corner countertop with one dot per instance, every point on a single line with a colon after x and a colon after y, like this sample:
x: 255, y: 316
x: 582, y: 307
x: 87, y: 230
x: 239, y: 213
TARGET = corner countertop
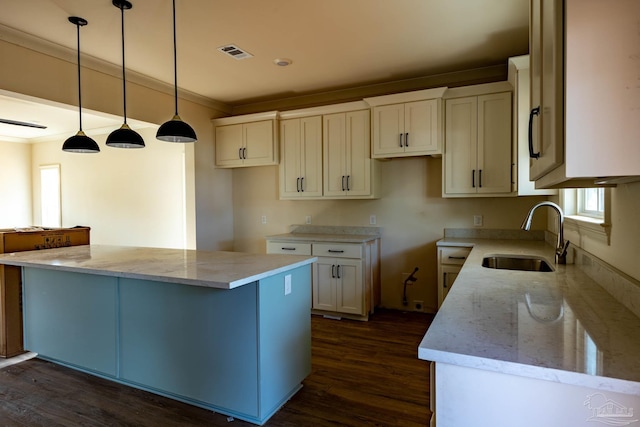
x: 214, y: 269
x: 324, y: 233
x: 558, y: 326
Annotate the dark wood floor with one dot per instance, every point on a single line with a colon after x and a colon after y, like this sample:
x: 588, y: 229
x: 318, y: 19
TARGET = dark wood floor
x: 363, y: 374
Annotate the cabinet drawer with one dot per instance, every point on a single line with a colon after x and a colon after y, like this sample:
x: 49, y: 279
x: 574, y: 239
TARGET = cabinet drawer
x: 455, y: 256
x: 291, y: 248
x: 338, y: 250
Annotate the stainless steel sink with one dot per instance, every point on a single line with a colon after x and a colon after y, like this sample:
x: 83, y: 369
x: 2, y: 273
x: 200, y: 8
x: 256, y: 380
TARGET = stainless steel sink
x: 516, y: 262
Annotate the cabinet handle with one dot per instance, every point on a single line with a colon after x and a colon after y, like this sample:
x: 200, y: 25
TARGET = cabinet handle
x: 348, y: 184
x: 444, y: 279
x: 473, y: 178
x: 513, y: 165
x: 457, y: 257
x: 240, y: 153
x: 333, y: 271
x: 480, y: 178
x: 534, y: 112
x: 244, y: 153
x: 342, y: 182
x: 335, y: 251
x: 302, y: 184
x: 400, y: 140
x: 288, y: 249
x: 406, y: 139
x: 338, y: 269
x: 298, y: 184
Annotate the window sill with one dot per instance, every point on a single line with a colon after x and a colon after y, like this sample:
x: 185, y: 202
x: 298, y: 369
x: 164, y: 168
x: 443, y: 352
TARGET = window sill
x: 585, y: 226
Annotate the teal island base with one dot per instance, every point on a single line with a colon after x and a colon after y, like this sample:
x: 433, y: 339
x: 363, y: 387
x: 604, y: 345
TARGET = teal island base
x: 242, y: 352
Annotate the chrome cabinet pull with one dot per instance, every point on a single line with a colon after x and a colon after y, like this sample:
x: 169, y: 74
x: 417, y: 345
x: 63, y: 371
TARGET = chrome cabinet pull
x: 406, y: 139
x: 534, y: 112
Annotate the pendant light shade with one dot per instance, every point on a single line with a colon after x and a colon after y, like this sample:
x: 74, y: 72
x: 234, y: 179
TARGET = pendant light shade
x: 175, y: 130
x: 79, y: 143
x: 124, y: 137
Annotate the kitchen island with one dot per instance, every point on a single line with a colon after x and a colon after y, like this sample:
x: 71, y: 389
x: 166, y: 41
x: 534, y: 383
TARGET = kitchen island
x: 533, y: 348
x: 225, y: 331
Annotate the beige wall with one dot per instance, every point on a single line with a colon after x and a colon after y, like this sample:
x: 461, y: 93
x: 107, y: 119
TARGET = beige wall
x: 623, y: 252
x: 410, y: 211
x: 208, y: 190
x: 15, y: 185
x: 127, y: 197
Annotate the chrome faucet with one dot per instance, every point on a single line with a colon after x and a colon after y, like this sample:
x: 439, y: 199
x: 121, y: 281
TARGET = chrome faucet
x: 561, y: 246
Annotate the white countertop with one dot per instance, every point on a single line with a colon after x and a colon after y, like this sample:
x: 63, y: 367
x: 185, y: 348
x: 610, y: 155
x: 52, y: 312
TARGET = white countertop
x: 558, y: 326
x: 225, y: 270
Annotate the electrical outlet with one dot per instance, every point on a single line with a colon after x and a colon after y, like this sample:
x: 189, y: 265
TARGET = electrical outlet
x: 307, y: 219
x: 418, y: 305
x: 263, y: 219
x: 287, y: 284
x: 372, y: 219
x: 477, y: 220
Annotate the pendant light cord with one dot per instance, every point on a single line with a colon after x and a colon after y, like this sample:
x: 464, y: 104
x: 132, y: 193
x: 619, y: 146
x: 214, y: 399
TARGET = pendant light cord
x: 175, y: 60
x: 79, y: 85
x: 124, y: 83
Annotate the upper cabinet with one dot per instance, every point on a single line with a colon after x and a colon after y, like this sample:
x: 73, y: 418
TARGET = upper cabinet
x: 407, y: 124
x: 246, y: 140
x: 301, y: 162
x: 478, y: 141
x: 348, y: 169
x: 520, y: 80
x: 585, y: 100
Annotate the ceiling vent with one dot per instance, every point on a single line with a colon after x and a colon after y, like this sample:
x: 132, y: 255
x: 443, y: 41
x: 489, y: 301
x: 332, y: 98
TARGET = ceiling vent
x: 234, y: 52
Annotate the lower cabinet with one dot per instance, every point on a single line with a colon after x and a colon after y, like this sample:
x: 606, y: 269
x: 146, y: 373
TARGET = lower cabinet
x: 345, y: 279
x: 450, y: 260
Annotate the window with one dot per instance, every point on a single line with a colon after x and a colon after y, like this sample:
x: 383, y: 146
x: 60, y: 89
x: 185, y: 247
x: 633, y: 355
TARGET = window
x: 590, y: 202
x: 50, y: 209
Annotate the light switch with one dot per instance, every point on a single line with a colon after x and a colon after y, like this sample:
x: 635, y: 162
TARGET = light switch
x: 287, y: 284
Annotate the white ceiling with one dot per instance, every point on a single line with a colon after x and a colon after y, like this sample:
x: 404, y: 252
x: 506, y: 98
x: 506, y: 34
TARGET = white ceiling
x: 334, y: 44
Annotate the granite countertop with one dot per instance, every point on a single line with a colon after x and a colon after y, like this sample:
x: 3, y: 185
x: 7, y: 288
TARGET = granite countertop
x: 558, y: 326
x: 324, y: 233
x: 216, y: 269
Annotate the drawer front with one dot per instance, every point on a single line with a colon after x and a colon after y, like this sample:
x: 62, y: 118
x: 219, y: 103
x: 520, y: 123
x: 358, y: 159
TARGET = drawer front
x: 290, y: 248
x: 455, y: 256
x: 338, y: 250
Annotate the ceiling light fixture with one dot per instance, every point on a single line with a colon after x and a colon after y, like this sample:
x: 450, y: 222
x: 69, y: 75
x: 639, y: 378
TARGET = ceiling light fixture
x: 175, y: 130
x: 282, y: 62
x: 124, y: 137
x: 80, y: 143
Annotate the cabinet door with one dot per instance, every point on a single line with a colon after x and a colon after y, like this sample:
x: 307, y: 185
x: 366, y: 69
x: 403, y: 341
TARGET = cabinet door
x: 311, y: 156
x: 547, y: 58
x: 349, y: 297
x: 229, y: 145
x: 461, y: 133
x: 324, y: 284
x: 421, y: 127
x: 358, y: 149
x: 301, y: 162
x: 494, y: 143
x: 449, y: 275
x: 258, y: 143
x: 335, y: 154
x: 388, y: 126
x: 291, y: 158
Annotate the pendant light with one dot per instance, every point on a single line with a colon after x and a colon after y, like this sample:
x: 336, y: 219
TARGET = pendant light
x: 175, y: 130
x: 124, y: 137
x: 79, y: 143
